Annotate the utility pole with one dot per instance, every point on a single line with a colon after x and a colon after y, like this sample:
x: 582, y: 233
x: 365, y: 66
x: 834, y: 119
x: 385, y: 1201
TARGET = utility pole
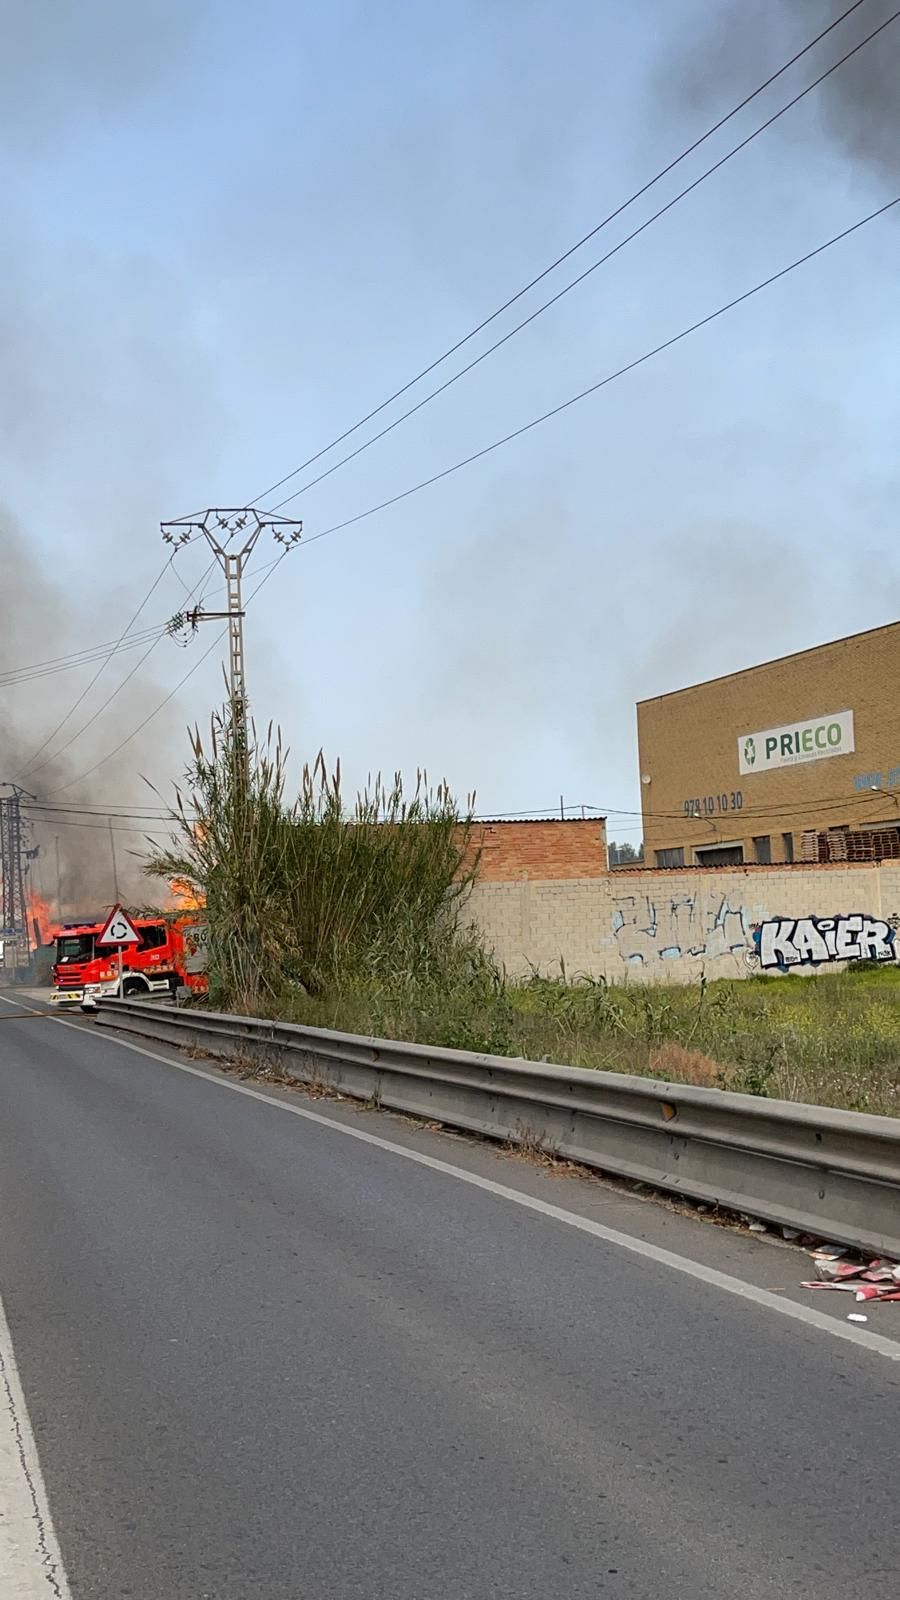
x: 112, y: 847
x: 13, y: 852
x: 59, y: 904
x: 232, y: 535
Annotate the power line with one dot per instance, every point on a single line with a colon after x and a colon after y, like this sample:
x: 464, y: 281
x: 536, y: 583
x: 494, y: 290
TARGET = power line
x: 517, y: 433
x: 59, y: 817
x: 111, y: 697
x: 79, y: 658
x: 150, y: 833
x: 86, y: 691
x: 267, y: 568
x: 611, y: 377
x: 608, y: 813
x: 473, y: 332
x: 512, y: 300
x: 574, y: 282
x: 99, y: 711
x: 545, y: 272
x: 170, y: 696
x: 91, y: 806
x: 52, y: 812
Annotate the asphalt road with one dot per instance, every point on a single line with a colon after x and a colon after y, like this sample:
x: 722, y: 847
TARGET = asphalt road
x: 261, y: 1358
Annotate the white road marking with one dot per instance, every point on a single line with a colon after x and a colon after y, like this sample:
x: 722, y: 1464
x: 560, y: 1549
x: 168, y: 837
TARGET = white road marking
x: 21, y: 1006
x: 30, y: 1562
x: 876, y: 1342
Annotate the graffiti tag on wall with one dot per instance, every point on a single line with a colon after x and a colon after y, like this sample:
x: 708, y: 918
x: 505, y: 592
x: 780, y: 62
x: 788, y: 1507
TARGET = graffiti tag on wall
x: 790, y: 941
x: 671, y: 926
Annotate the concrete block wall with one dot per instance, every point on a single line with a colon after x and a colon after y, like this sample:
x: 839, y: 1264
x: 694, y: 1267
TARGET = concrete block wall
x: 650, y: 926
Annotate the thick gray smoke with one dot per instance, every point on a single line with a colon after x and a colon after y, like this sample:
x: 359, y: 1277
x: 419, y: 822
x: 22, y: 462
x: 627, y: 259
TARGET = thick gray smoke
x: 58, y: 59
x: 37, y: 625
x: 105, y: 413
x: 737, y: 43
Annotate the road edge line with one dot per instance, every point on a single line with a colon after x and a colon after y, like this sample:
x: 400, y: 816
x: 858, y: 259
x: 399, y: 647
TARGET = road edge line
x: 27, y: 1535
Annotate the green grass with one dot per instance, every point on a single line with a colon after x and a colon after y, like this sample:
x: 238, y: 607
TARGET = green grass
x: 828, y: 1040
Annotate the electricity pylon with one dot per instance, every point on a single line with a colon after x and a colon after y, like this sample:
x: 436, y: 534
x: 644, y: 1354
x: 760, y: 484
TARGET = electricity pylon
x: 222, y: 528
x: 13, y: 854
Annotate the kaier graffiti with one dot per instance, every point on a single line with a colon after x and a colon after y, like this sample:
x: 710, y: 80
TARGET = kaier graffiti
x: 790, y: 942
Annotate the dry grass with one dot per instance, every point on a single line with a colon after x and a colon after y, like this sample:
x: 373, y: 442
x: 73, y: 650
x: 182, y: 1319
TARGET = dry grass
x: 677, y: 1064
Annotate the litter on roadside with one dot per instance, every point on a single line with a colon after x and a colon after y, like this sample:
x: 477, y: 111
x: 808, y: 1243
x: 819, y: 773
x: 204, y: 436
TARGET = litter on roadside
x: 865, y: 1280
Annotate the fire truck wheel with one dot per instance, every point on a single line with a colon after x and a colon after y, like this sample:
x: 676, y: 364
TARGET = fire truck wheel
x: 133, y: 987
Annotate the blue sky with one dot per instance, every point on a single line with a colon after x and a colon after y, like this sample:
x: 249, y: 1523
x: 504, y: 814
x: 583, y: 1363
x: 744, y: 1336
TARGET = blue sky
x: 230, y: 230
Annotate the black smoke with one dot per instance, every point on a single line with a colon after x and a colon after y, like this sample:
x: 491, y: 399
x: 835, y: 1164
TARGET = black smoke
x: 735, y: 44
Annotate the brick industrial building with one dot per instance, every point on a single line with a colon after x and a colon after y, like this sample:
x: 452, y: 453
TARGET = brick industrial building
x: 794, y: 760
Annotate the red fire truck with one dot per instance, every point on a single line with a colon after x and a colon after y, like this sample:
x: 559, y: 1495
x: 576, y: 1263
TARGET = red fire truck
x: 171, y: 955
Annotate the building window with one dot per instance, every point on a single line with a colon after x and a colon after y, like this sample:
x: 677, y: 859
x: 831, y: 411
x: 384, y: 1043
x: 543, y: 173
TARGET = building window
x: 670, y: 858
x: 787, y: 841
x: 719, y: 855
x: 762, y: 850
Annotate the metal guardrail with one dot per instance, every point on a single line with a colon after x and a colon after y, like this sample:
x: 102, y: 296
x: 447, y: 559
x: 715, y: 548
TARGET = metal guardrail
x: 834, y: 1174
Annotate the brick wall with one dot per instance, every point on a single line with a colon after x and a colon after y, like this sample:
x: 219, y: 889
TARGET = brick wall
x: 555, y: 850
x: 650, y: 927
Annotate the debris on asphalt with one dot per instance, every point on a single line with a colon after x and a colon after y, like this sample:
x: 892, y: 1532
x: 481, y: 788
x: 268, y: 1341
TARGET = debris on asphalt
x: 873, y: 1280
x: 877, y: 1291
x: 855, y: 1316
x: 831, y: 1271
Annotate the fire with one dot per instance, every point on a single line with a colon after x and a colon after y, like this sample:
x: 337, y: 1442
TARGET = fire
x: 186, y: 898
x: 42, y: 926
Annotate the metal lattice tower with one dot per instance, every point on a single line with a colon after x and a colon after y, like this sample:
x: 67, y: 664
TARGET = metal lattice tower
x: 13, y: 899
x: 222, y: 529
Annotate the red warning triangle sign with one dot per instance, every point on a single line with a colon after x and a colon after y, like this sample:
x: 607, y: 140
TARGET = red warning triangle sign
x: 119, y: 929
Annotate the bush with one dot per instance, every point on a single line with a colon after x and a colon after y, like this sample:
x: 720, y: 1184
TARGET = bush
x: 307, y: 895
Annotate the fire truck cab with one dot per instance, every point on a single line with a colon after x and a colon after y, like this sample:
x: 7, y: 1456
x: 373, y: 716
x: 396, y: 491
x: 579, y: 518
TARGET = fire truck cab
x: 168, y: 957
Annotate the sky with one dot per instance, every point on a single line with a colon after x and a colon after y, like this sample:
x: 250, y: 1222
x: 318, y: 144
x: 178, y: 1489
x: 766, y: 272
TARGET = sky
x: 231, y: 231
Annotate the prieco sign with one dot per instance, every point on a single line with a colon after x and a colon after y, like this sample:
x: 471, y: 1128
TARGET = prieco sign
x: 831, y: 735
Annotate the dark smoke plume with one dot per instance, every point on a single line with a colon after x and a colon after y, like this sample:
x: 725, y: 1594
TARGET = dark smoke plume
x: 104, y: 414
x: 35, y: 625
x: 739, y: 42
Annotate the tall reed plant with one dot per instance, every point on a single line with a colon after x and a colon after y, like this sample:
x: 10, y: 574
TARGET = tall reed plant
x: 312, y: 893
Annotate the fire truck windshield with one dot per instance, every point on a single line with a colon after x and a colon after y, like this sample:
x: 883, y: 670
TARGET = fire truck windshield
x: 74, y: 947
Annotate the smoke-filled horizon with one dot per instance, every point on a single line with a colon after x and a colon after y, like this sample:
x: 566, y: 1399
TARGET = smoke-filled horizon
x: 232, y: 232
x: 84, y: 862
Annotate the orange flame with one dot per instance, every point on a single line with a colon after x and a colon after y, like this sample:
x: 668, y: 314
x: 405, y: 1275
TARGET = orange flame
x: 186, y: 898
x: 43, y: 927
